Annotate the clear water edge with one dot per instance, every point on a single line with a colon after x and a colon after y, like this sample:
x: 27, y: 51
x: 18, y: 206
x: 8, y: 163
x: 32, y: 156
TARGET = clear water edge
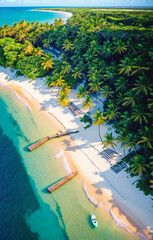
x: 10, y: 15
x: 42, y: 171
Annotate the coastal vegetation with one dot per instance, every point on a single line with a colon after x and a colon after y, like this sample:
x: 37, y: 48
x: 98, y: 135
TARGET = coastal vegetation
x: 111, y: 54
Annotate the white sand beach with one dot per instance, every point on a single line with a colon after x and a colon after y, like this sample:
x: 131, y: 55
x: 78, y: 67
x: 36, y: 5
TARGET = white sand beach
x: 67, y: 14
x: 129, y: 207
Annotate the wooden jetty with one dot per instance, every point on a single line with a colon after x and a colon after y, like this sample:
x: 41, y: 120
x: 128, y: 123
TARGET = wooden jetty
x: 43, y: 140
x: 62, y: 181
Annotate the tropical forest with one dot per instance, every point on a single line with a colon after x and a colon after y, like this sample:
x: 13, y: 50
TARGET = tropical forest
x: 105, y: 55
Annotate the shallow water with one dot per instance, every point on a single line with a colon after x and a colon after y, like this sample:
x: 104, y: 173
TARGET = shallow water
x: 27, y: 210
x: 10, y: 15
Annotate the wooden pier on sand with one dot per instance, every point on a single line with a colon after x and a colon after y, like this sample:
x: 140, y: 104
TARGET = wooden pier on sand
x: 43, y: 140
x: 62, y: 181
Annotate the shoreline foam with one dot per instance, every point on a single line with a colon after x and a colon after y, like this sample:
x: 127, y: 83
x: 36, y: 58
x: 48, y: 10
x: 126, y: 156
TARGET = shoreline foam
x: 67, y: 14
x: 27, y: 89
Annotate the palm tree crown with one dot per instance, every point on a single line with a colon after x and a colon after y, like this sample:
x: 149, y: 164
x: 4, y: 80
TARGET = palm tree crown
x: 47, y: 61
x: 109, y: 141
x: 99, y: 120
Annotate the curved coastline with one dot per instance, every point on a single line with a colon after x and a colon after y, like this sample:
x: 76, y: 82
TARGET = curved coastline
x: 59, y: 115
x: 67, y: 14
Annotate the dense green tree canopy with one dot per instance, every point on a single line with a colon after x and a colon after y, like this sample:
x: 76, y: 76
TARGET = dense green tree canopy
x: 111, y: 52
x: 31, y: 67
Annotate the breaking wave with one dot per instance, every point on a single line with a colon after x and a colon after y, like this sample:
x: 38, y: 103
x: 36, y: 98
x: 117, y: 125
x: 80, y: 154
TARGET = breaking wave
x: 21, y: 99
x: 123, y: 224
x: 64, y: 160
x: 17, y: 95
x: 91, y: 199
x: 119, y: 223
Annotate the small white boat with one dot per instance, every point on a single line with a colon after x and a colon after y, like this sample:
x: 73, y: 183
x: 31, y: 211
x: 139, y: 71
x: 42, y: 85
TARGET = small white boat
x: 94, y: 220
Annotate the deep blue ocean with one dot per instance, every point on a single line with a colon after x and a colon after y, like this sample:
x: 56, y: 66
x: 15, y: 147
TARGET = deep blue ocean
x: 16, y: 193
x: 10, y: 15
x: 23, y: 213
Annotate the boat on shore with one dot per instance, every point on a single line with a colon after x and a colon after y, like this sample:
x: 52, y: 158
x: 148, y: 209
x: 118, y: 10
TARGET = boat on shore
x: 94, y: 220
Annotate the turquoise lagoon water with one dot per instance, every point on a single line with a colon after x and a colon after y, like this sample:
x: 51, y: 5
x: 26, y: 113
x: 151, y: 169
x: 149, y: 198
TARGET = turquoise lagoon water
x: 10, y: 15
x: 27, y: 210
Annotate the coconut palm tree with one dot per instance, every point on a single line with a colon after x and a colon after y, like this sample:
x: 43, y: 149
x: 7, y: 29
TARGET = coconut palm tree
x: 112, y: 111
x: 21, y: 37
x: 107, y: 49
x: 147, y: 141
x: 58, y: 80
x: 11, y: 32
x: 46, y: 43
x: 125, y: 120
x: 17, y: 27
x: 66, y: 67
x: 82, y: 92
x: 99, y: 120
x: 121, y: 84
x: 125, y: 66
x: 139, y: 116
x: 39, y: 52
x: 131, y: 46
x: 95, y: 86
x: 77, y: 73
x: 138, y: 66
x: 106, y: 91
x: 119, y: 46
x: 93, y: 72
x: 57, y: 23
x: 121, y: 137
x: 63, y: 32
x: 109, y: 141
x: 142, y: 86
x: 120, y: 98
x: 94, y: 47
x: 48, y: 80
x: 138, y: 165
x: 130, y: 99
x: 47, y: 26
x: 23, y: 23
x: 65, y: 89
x: 47, y: 61
x: 3, y: 33
x: 63, y: 100
x: 88, y: 103
x: 110, y: 73
x: 28, y: 49
x: 67, y: 45
x: 151, y: 181
x: 81, y: 65
x: 130, y: 141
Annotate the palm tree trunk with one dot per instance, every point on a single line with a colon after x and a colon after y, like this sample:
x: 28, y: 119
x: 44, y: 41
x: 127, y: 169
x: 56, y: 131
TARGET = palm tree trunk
x: 96, y: 97
x: 136, y: 179
x: 114, y: 148
x: 135, y: 126
x: 124, y: 152
x: 58, y: 91
x: 99, y: 133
